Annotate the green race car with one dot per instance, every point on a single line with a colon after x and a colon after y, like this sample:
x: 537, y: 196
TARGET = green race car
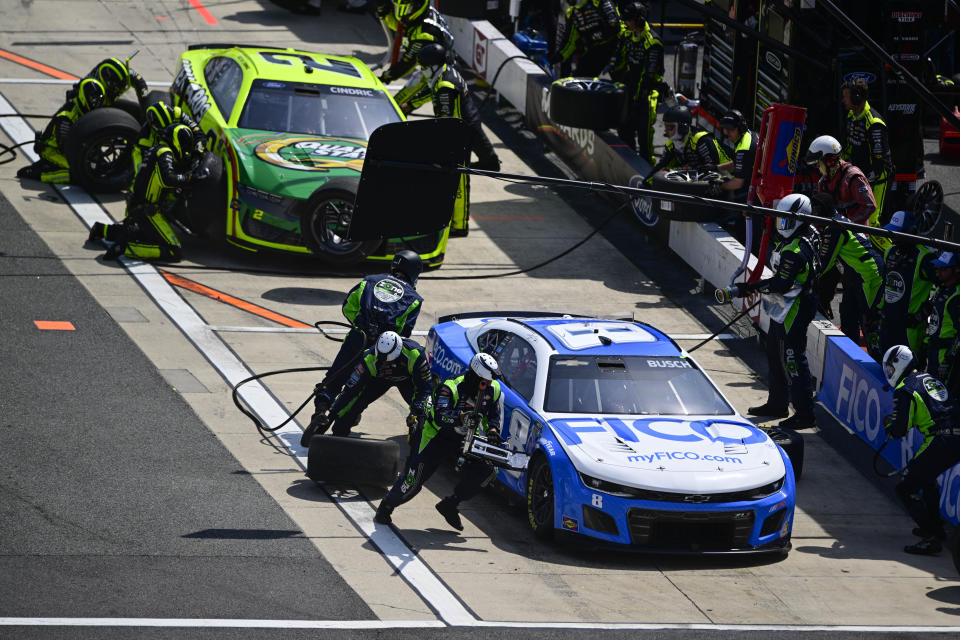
x: 290, y: 131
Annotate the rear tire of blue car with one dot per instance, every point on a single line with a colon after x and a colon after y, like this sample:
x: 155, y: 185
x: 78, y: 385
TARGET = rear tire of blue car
x: 324, y: 220
x: 540, y: 502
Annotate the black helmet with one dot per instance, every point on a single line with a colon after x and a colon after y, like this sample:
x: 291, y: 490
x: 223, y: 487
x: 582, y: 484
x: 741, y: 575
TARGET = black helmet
x: 90, y: 95
x: 432, y: 55
x: 733, y: 119
x: 634, y: 11
x: 114, y: 75
x: 681, y: 116
x: 409, y: 10
x: 160, y: 115
x: 180, y: 139
x: 407, y: 264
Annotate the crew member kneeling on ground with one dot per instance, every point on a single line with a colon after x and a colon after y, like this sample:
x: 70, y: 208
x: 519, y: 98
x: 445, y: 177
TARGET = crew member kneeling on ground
x: 391, y: 362
x: 158, y: 117
x: 158, y: 187
x: 921, y: 401
x: 378, y: 303
x: 50, y: 144
x: 470, y: 402
x: 689, y: 146
x: 791, y: 302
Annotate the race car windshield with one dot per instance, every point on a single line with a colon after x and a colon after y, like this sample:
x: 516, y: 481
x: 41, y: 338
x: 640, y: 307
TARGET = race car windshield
x: 321, y: 110
x: 631, y: 385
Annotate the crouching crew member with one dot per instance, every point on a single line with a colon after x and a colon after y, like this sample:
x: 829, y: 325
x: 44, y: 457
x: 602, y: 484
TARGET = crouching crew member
x: 471, y: 401
x: 380, y: 302
x: 392, y: 362
x: 943, y: 338
x: 158, y: 187
x: 921, y: 401
x: 689, y: 146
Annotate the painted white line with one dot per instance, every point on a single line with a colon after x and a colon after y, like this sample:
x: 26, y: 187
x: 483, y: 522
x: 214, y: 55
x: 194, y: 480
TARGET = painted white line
x: 58, y: 81
x: 256, y: 396
x: 240, y: 329
x: 428, y: 624
x: 220, y: 623
x: 704, y: 336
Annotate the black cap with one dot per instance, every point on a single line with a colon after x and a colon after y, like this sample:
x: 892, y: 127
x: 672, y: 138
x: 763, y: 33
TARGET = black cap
x: 407, y: 264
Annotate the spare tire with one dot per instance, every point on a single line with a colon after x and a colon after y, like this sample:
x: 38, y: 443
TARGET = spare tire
x: 207, y: 203
x: 792, y: 444
x: 324, y: 219
x: 354, y: 460
x: 98, y: 149
x: 588, y: 103
x: 689, y: 182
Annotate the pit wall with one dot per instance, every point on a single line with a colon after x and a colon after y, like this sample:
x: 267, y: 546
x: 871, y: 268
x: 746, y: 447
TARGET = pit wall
x: 849, y: 383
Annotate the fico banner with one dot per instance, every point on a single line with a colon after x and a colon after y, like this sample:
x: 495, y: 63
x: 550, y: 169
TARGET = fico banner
x: 852, y: 391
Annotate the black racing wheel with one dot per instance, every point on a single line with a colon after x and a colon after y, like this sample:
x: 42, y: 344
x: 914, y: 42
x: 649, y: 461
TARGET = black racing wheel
x: 540, y: 509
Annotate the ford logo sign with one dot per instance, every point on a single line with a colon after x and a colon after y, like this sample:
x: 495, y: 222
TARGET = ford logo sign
x: 854, y: 75
x: 774, y: 61
x: 643, y: 205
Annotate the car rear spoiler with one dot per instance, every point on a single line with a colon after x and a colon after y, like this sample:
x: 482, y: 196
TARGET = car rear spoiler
x: 517, y: 314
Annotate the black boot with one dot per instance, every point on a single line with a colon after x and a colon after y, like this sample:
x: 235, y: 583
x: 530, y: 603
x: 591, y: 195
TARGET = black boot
x: 97, y: 232
x: 383, y: 514
x: 798, y: 421
x: 768, y: 410
x: 926, y: 547
x: 938, y: 533
x: 30, y: 172
x: 448, y: 509
x: 319, y: 424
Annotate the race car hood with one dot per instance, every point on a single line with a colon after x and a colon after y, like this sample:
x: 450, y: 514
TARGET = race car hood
x: 671, y: 454
x: 294, y: 165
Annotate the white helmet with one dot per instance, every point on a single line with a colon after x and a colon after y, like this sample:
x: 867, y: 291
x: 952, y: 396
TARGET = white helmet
x: 794, y: 203
x: 389, y: 345
x: 485, y: 366
x: 824, y: 148
x: 896, y: 363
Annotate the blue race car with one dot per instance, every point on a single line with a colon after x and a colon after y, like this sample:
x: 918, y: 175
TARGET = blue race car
x: 629, y: 441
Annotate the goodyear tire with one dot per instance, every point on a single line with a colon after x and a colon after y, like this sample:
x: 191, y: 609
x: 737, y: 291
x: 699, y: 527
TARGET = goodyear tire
x: 689, y: 182
x: 792, y: 445
x: 353, y: 460
x: 540, y: 504
x: 207, y: 204
x: 324, y: 219
x: 98, y: 149
x: 956, y: 550
x: 587, y: 103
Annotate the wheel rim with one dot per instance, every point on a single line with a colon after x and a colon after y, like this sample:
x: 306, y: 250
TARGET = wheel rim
x: 329, y: 223
x: 680, y: 175
x: 108, y: 157
x: 541, y: 496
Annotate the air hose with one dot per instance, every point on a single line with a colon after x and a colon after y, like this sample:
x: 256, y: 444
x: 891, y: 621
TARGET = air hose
x: 876, y: 459
x: 264, y: 429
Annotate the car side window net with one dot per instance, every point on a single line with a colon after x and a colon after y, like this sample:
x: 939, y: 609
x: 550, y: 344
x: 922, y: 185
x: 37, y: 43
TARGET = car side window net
x: 631, y: 385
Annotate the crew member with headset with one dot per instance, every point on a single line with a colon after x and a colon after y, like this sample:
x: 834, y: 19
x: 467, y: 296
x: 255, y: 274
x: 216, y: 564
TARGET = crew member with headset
x: 943, y: 339
x: 53, y: 166
x: 867, y: 146
x: 861, y: 268
x: 744, y: 143
x: 638, y: 63
x: 391, y: 362
x: 452, y: 99
x: 688, y: 145
x: 418, y: 24
x: 378, y: 303
x: 908, y: 277
x: 158, y: 187
x: 922, y: 402
x: 590, y: 30
x: 790, y: 301
x: 472, y: 401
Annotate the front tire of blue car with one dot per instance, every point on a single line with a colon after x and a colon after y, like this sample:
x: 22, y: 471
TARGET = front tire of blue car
x: 540, y: 503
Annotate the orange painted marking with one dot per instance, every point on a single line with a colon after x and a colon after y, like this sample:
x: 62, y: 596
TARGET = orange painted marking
x: 243, y: 305
x: 37, y: 66
x: 202, y: 10
x: 54, y: 325
x: 159, y: 17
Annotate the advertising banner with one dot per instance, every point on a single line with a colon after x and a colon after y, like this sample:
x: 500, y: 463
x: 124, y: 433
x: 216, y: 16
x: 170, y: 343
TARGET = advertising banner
x: 853, y: 392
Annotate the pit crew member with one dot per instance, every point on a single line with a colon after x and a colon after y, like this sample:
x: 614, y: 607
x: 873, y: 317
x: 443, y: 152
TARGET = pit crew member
x: 791, y: 303
x: 471, y: 401
x: 53, y: 166
x: 744, y: 145
x: 908, y: 278
x: 391, y: 362
x: 158, y: 186
x: 922, y: 402
x: 943, y: 340
x: 418, y: 24
x: 689, y: 146
x: 378, y: 303
x: 590, y: 30
x: 158, y: 117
